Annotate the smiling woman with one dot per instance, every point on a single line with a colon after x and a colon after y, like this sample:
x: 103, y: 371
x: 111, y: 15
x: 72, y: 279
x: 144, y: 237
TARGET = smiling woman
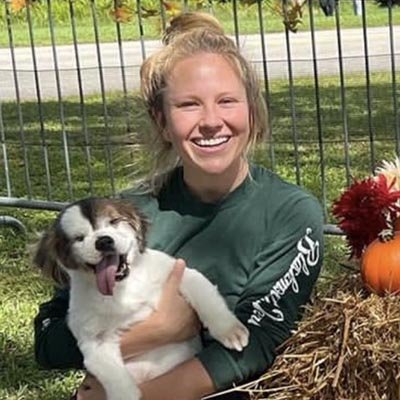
x: 208, y: 123
x: 207, y: 106
x: 237, y: 223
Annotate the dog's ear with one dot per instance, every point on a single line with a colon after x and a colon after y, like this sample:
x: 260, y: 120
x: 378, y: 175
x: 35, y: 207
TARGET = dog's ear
x: 44, y: 257
x: 143, y: 225
x: 140, y: 225
x: 137, y: 220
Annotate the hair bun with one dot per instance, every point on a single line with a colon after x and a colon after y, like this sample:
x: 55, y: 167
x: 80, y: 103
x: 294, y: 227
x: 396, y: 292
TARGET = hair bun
x: 188, y: 21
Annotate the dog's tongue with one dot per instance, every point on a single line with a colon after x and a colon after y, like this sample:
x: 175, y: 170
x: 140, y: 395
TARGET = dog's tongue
x: 105, y: 274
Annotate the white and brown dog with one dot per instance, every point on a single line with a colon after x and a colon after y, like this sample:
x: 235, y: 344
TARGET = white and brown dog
x: 97, y: 247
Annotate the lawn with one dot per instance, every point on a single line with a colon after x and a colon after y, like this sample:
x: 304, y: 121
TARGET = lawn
x: 22, y: 289
x: 107, y: 31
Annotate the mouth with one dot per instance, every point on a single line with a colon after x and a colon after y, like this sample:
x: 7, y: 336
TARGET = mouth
x: 123, y: 269
x: 112, y: 268
x: 212, y: 142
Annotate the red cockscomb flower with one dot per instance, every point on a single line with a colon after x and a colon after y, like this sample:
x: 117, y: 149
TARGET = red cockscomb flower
x: 365, y: 209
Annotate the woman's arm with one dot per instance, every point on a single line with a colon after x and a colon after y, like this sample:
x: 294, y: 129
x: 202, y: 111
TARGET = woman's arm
x: 188, y: 381
x: 173, y: 321
x: 280, y: 284
x: 55, y: 346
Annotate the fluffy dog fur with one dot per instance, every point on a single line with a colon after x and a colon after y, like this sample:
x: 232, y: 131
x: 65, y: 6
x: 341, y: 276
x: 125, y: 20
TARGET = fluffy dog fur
x: 98, y: 248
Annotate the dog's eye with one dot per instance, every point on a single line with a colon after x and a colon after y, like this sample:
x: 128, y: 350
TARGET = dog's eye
x: 79, y: 238
x: 116, y: 221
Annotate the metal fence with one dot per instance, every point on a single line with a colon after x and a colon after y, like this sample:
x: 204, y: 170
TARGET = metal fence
x: 69, y: 124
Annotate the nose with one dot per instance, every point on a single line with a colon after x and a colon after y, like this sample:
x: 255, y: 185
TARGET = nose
x: 105, y: 243
x: 210, y: 122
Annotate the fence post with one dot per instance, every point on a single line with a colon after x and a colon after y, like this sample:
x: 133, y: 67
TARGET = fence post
x: 357, y: 7
x: 13, y: 222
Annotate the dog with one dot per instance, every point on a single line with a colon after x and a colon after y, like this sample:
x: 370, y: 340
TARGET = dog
x: 97, y: 247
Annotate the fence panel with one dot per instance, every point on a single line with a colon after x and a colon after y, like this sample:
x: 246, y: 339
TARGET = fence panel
x: 71, y: 125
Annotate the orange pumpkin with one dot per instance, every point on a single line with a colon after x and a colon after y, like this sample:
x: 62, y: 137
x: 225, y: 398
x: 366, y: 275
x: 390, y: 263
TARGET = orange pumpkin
x: 380, y: 265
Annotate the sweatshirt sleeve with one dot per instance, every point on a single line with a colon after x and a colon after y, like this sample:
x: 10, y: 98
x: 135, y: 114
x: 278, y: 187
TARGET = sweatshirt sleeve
x: 55, y: 346
x: 281, y: 282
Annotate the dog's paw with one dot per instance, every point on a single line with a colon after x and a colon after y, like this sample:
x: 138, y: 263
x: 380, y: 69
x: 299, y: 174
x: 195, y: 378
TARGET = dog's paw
x: 231, y: 333
x: 135, y: 395
x: 124, y: 392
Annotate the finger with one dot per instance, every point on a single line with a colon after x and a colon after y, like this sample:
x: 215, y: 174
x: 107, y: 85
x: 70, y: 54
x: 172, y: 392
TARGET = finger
x: 176, y: 274
x: 90, y: 389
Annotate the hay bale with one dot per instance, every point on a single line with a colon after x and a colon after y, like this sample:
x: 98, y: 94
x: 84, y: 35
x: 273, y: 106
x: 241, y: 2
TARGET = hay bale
x: 346, y: 347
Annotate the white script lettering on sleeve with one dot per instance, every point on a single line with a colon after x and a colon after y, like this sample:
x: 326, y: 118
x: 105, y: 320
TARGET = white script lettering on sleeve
x: 307, y: 257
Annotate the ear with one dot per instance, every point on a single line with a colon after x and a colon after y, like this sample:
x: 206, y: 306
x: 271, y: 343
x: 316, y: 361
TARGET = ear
x: 142, y: 232
x: 140, y: 225
x: 159, y: 118
x: 166, y: 136
x: 45, y: 259
x: 138, y: 222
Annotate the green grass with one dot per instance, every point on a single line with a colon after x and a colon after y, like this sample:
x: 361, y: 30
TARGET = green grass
x: 247, y: 17
x: 106, y: 161
x: 21, y: 288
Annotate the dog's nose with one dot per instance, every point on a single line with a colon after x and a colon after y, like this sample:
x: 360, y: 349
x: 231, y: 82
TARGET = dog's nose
x: 105, y: 243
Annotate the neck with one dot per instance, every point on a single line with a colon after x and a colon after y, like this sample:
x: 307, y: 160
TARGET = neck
x: 211, y: 188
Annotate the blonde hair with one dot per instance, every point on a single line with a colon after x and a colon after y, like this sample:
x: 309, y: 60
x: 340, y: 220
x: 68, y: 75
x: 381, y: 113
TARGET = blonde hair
x: 189, y: 34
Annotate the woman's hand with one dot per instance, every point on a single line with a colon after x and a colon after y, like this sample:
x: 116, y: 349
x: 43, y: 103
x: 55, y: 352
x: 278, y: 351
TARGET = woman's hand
x: 173, y: 321
x: 175, y: 318
x: 90, y: 389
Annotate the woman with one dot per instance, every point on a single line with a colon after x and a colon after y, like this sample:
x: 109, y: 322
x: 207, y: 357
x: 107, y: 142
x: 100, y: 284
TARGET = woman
x: 255, y: 236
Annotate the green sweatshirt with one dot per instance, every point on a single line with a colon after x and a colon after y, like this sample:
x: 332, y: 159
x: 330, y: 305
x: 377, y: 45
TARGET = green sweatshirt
x: 261, y: 245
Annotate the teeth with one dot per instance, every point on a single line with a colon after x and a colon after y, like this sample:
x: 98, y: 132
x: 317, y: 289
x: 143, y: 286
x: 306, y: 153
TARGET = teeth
x: 212, y: 141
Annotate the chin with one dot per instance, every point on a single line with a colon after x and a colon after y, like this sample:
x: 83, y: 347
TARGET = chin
x: 229, y: 168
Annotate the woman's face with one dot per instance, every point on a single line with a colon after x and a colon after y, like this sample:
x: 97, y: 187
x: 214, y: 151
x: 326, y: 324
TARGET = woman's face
x: 206, y: 115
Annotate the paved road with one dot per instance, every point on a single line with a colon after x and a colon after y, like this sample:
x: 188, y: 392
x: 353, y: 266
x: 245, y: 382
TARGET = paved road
x: 301, y: 54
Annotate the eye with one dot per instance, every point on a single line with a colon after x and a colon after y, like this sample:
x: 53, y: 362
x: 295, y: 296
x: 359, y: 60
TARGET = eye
x: 187, y: 104
x: 79, y: 238
x: 116, y: 221
x: 227, y: 100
